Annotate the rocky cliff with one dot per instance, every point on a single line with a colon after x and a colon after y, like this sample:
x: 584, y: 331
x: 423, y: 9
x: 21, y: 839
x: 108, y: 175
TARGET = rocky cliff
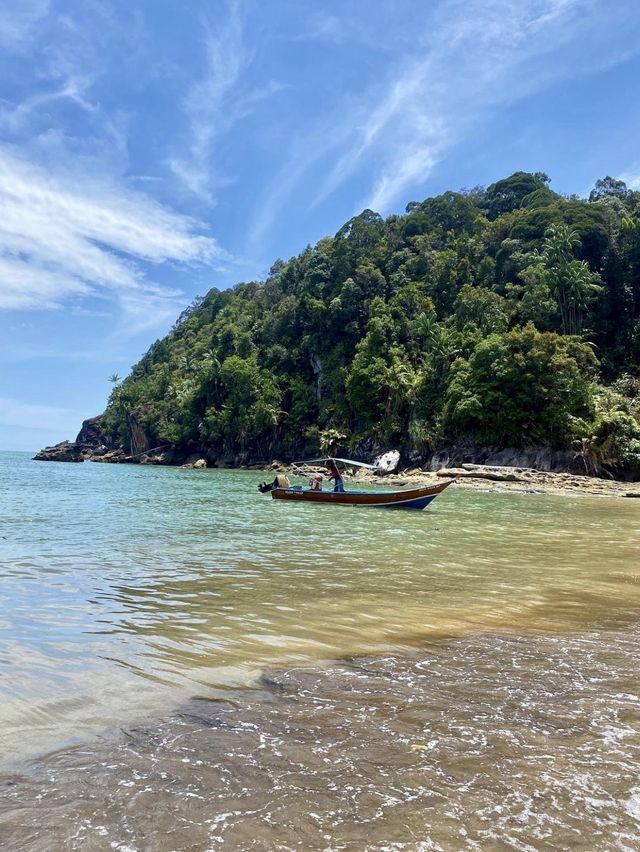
x: 91, y: 442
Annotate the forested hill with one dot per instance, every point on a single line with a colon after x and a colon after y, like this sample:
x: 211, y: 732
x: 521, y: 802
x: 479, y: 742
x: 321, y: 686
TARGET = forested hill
x: 505, y: 316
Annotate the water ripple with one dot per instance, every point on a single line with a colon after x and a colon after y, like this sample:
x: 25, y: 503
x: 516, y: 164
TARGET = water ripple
x: 124, y: 588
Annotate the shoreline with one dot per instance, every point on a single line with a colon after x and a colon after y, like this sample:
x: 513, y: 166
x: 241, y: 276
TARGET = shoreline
x: 363, y: 748
x: 499, y: 479
x: 476, y: 477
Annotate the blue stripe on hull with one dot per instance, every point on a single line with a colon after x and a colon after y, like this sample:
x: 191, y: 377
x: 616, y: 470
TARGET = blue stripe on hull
x: 418, y: 503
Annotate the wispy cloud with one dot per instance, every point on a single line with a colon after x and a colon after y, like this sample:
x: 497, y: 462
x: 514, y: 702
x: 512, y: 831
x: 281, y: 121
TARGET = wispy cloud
x: 475, y: 60
x: 322, y: 26
x: 25, y: 415
x: 278, y: 191
x: 15, y: 118
x: 631, y: 177
x: 69, y: 236
x: 53, y: 107
x: 25, y: 352
x: 473, y: 57
x: 216, y: 102
x: 17, y: 24
x: 207, y: 105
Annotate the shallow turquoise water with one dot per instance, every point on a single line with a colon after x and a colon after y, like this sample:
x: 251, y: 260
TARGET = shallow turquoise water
x: 126, y: 589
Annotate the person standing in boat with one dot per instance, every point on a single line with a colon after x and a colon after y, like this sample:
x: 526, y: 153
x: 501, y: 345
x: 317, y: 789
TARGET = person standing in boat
x: 335, y: 474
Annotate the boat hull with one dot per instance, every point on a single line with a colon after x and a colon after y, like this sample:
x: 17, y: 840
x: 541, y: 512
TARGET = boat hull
x: 410, y: 498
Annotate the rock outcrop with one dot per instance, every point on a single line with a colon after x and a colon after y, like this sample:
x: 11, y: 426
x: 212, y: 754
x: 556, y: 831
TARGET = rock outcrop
x: 65, y: 451
x: 91, y: 442
x: 477, y: 471
x: 116, y: 456
x: 466, y: 454
x: 92, y: 435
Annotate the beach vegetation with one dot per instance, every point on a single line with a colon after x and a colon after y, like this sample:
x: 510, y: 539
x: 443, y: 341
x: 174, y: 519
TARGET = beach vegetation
x: 509, y: 314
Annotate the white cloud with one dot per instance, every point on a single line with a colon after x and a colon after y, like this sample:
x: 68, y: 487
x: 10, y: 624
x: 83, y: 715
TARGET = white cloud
x: 416, y: 163
x: 18, y: 23
x: 13, y: 119
x: 631, y: 177
x: 470, y: 58
x: 324, y: 27
x: 67, y: 235
x: 24, y: 415
x: 216, y: 102
x: 277, y: 194
x: 208, y: 105
x: 22, y: 352
x: 479, y: 55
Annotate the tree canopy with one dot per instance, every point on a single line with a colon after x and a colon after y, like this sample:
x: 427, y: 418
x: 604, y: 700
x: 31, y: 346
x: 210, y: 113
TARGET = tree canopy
x: 502, y: 314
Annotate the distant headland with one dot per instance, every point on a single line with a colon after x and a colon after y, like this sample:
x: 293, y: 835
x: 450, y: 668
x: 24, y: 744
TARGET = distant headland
x: 496, y: 325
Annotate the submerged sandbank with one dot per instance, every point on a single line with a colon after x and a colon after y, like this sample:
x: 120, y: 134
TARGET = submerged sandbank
x: 492, y: 740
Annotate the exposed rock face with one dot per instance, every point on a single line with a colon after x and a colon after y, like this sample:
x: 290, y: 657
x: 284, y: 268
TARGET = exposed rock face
x: 112, y: 456
x: 138, y: 438
x: 91, y: 442
x: 91, y: 434
x: 66, y: 451
x: 465, y: 456
x: 316, y: 366
x: 540, y: 458
x: 477, y: 471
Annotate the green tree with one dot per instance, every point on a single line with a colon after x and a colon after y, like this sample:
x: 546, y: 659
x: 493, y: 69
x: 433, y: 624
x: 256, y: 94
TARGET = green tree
x: 522, y: 386
x: 608, y: 186
x: 569, y: 280
x: 457, y: 319
x: 508, y: 194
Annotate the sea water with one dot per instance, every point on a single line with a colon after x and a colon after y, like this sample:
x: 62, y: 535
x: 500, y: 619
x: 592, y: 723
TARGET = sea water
x: 127, y: 593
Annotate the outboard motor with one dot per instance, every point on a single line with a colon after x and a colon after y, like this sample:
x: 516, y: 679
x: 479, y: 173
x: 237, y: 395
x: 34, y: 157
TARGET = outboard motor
x: 281, y: 481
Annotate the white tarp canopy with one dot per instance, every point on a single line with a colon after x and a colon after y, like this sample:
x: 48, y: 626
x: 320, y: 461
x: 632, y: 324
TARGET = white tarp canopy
x: 349, y: 462
x: 385, y: 463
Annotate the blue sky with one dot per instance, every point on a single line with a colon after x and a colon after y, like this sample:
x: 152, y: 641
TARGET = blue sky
x: 152, y: 150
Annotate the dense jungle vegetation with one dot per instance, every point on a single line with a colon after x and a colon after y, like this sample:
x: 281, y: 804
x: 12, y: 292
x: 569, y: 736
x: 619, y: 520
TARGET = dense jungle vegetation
x: 508, y: 315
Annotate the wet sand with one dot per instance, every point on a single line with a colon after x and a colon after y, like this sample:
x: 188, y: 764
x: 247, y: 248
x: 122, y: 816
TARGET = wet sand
x: 493, y: 741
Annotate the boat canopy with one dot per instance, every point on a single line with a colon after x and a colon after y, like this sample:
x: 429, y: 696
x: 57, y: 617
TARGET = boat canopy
x: 348, y: 462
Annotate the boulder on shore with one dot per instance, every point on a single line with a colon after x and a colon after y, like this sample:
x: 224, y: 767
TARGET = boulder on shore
x: 198, y: 464
x: 111, y: 456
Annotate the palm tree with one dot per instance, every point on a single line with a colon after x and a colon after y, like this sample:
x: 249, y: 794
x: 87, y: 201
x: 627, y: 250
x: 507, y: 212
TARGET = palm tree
x: 559, y: 243
x: 581, y: 288
x: 570, y: 280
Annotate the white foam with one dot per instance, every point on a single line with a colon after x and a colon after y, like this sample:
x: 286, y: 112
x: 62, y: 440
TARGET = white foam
x: 632, y: 805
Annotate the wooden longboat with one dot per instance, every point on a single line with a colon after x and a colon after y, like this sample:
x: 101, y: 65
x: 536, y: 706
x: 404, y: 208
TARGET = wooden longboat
x: 408, y: 498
